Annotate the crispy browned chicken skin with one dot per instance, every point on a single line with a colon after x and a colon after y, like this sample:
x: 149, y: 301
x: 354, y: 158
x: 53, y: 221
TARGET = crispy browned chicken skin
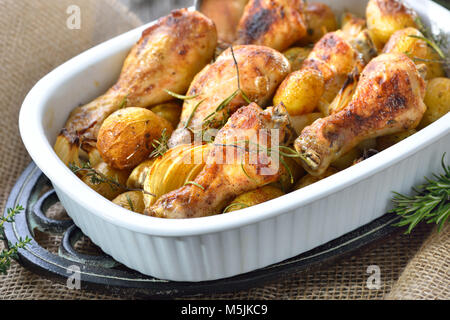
x: 261, y: 70
x: 274, y: 23
x: 388, y: 99
x: 168, y: 56
x: 233, y: 166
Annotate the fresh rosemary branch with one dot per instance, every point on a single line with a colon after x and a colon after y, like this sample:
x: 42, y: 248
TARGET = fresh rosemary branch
x: 6, y: 255
x: 180, y: 96
x: 98, y: 177
x: 437, y: 42
x: 195, y: 184
x: 161, y: 146
x: 431, y: 202
x: 210, y: 119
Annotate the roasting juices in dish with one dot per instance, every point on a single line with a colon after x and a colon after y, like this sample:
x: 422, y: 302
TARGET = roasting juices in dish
x: 204, y: 121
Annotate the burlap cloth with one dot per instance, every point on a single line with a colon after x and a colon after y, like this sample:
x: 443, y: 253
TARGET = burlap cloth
x: 35, y: 39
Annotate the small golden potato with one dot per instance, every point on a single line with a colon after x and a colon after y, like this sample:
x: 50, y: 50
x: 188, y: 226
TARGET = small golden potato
x: 108, y: 189
x: 289, y: 177
x: 138, y: 175
x: 437, y: 99
x: 404, y: 41
x: 125, y: 138
x: 301, y: 122
x: 296, y: 56
x: 300, y: 92
x: 253, y: 198
x: 384, y: 17
x: 171, y: 111
x: 347, y: 159
x: 320, y: 19
x: 309, y: 179
x: 385, y: 142
x: 131, y: 200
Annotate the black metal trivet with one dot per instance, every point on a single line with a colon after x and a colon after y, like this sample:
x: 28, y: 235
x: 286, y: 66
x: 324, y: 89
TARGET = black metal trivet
x: 102, y: 273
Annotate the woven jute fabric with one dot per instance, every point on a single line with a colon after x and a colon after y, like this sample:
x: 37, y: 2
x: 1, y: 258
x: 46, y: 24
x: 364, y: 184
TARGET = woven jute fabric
x: 35, y: 39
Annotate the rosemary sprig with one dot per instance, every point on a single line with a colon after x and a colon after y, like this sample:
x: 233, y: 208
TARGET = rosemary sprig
x: 186, y: 124
x: 130, y: 203
x: 431, y: 202
x: 7, y: 255
x: 160, y: 146
x: 180, y: 96
x: 98, y: 177
x: 431, y: 43
x: 210, y: 119
x: 195, y: 184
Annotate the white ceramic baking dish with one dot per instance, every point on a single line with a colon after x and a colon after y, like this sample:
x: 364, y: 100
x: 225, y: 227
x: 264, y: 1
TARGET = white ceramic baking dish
x: 230, y: 244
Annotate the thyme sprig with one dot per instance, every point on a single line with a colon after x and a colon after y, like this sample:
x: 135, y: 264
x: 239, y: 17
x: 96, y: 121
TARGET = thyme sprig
x: 98, y: 177
x: 430, y: 204
x: 7, y: 255
x: 160, y: 146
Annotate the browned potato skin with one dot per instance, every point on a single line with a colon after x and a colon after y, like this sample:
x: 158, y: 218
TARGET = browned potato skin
x: 135, y: 197
x: 254, y: 197
x: 437, y: 99
x: 273, y: 23
x: 125, y: 138
x: 108, y: 190
x: 310, y: 179
x: 171, y: 111
x: 384, y: 17
x: 168, y: 56
x: 320, y: 19
x: 417, y: 49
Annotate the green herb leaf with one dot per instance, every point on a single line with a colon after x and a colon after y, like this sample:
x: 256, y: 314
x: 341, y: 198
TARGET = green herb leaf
x: 180, y: 96
x: 431, y: 202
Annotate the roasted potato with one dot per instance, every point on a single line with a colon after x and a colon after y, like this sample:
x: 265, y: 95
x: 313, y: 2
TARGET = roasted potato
x: 289, y: 177
x: 296, y: 56
x: 304, y: 120
x: 131, y: 200
x: 384, y: 17
x: 347, y: 159
x: 174, y: 169
x: 138, y: 175
x: 171, y: 111
x: 253, y: 198
x: 300, y: 92
x: 385, y: 142
x: 126, y: 137
x: 320, y: 20
x: 437, y: 99
x: 113, y: 182
x: 405, y: 41
x: 310, y: 179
